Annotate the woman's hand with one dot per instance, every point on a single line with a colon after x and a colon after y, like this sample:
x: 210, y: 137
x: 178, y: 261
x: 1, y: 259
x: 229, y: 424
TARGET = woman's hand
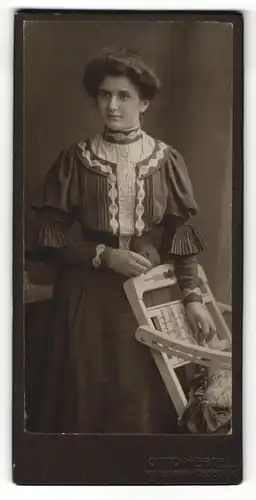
x: 150, y: 253
x: 201, y: 322
x: 126, y: 262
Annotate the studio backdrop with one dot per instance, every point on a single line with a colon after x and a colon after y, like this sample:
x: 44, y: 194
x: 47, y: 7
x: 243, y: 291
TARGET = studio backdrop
x: 193, y: 113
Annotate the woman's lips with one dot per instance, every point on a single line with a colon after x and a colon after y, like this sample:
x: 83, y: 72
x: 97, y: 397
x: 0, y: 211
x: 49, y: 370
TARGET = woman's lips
x: 114, y: 117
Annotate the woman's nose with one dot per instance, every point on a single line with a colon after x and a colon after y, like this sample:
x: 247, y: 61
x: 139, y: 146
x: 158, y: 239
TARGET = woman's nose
x: 113, y: 104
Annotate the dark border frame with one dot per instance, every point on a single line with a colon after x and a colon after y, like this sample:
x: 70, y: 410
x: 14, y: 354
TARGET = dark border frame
x: 123, y: 459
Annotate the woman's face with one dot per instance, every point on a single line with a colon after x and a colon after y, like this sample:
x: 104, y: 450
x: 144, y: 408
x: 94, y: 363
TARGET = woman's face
x: 119, y: 103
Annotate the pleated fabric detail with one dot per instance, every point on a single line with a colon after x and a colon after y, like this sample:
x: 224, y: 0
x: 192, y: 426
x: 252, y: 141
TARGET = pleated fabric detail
x: 187, y: 241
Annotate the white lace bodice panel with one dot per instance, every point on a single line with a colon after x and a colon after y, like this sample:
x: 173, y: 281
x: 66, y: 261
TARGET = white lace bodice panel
x: 126, y: 157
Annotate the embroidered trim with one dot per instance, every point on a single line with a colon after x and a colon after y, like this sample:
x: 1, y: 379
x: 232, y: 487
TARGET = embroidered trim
x: 139, y: 224
x: 139, y: 153
x: 126, y: 181
x: 157, y: 155
x: 187, y: 291
x: 112, y: 181
x: 145, y: 165
x: 124, y: 137
x: 96, y: 162
x: 113, y: 208
x: 96, y: 261
x: 155, y: 151
x: 143, y: 171
x: 192, y: 297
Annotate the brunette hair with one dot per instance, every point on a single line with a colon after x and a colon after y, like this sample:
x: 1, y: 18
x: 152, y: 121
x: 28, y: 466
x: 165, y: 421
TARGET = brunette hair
x: 121, y: 62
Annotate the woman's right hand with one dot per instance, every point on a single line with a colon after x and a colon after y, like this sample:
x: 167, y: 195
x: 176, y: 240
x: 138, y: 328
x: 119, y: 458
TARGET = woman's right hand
x: 125, y: 262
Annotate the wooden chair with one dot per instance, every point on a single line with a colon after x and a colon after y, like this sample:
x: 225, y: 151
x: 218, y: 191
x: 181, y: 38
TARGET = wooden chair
x: 164, y: 328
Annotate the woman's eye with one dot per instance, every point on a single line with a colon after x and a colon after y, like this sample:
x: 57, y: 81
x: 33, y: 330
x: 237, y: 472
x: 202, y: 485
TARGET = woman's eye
x: 124, y: 96
x: 104, y: 94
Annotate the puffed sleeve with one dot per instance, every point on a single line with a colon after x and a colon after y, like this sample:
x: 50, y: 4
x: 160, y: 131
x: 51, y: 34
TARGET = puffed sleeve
x: 56, y: 210
x: 175, y: 238
x: 57, y: 213
x: 181, y: 201
x: 180, y: 236
x: 181, y: 241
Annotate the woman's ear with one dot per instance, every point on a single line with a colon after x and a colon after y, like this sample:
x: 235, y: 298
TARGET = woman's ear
x: 143, y: 105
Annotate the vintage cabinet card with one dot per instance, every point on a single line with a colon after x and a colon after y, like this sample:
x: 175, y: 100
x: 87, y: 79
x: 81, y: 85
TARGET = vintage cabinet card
x: 128, y: 187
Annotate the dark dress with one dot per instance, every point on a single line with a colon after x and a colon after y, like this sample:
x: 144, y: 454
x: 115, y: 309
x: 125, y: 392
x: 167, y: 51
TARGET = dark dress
x: 97, y: 377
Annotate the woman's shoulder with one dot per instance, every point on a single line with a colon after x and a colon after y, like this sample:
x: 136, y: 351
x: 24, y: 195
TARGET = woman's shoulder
x: 164, y: 155
x: 66, y: 161
x: 71, y: 148
x: 88, y: 153
x: 81, y: 150
x: 165, y: 145
x: 174, y: 158
x: 155, y: 153
x: 172, y: 151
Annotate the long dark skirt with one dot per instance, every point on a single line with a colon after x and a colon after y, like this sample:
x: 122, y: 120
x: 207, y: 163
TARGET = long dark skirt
x: 97, y: 377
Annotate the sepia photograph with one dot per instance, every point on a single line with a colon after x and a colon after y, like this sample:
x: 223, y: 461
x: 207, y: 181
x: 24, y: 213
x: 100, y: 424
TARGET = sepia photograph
x: 127, y: 222
x: 128, y: 192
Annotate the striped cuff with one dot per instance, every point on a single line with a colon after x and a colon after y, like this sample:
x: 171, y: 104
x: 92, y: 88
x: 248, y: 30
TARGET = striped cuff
x: 187, y: 291
x: 193, y: 296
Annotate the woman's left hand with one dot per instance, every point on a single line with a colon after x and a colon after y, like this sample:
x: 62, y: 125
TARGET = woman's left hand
x: 201, y: 322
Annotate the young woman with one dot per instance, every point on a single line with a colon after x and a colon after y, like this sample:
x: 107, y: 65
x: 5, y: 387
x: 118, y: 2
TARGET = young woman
x: 132, y: 196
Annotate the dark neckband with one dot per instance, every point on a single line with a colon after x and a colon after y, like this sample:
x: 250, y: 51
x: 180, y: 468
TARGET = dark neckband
x: 122, y: 137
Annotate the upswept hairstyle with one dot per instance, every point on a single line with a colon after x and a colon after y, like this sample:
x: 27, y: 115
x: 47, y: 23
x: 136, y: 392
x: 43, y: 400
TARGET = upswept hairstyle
x: 121, y: 62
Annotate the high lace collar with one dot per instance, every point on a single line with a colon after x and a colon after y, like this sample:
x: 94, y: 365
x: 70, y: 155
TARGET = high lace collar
x: 122, y: 137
